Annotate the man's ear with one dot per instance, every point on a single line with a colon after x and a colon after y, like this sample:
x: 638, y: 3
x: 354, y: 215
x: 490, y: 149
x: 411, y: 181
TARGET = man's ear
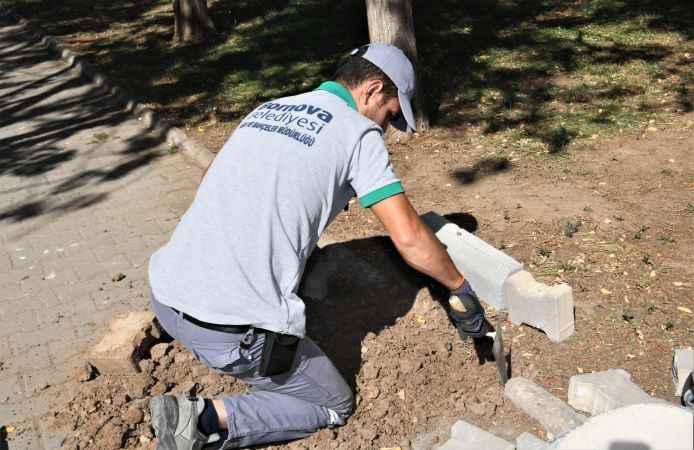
x: 373, y: 87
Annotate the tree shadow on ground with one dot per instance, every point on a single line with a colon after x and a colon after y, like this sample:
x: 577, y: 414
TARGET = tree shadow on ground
x: 270, y: 49
x: 44, y: 115
x: 501, y: 65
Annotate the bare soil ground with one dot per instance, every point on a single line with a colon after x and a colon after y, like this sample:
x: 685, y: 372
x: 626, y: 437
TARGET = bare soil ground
x: 614, y: 220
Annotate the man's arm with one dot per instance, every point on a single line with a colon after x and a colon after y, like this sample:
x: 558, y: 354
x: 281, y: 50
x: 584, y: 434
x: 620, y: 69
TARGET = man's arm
x: 415, y: 241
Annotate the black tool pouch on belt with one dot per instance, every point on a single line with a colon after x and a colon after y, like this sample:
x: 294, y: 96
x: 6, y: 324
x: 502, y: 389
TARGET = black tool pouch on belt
x: 278, y: 354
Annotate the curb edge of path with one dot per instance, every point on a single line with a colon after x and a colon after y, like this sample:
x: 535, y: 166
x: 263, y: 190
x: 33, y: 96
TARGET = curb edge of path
x: 146, y: 117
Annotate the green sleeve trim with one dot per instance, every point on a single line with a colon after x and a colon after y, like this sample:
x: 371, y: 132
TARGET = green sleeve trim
x: 381, y: 194
x: 340, y: 91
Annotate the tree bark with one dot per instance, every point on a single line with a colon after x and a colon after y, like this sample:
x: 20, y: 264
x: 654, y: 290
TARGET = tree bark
x: 391, y: 22
x: 192, y: 23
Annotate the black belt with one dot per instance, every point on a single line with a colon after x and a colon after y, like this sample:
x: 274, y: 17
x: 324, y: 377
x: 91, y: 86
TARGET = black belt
x: 214, y: 326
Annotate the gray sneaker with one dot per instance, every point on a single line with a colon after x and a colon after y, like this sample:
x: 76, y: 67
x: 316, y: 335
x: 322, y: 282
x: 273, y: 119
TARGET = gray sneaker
x: 175, y: 422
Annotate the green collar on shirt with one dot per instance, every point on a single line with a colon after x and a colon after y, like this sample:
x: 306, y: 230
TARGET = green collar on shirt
x: 340, y: 91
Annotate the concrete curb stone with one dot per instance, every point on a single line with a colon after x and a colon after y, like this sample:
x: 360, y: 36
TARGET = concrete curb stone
x: 174, y: 136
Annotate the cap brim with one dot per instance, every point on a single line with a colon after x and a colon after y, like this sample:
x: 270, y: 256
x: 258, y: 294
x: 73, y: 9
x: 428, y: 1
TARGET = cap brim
x: 405, y: 122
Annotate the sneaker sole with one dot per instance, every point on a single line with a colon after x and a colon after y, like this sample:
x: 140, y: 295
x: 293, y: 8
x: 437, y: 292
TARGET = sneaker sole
x: 164, y: 412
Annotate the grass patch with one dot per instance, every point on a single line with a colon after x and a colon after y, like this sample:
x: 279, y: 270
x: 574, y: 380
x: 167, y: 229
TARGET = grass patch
x: 572, y: 227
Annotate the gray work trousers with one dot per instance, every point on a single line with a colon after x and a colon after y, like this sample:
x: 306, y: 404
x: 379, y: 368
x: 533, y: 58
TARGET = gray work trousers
x: 312, y: 395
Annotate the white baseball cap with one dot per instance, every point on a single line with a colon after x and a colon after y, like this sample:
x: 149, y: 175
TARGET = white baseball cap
x: 395, y: 64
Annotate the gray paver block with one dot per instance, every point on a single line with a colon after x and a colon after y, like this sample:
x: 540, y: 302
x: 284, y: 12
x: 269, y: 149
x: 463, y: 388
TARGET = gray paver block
x: 554, y: 415
x: 651, y: 426
x: 126, y: 339
x: 5, y: 350
x: 465, y: 436
x: 485, y: 266
x: 52, y: 437
x: 16, y: 411
x: 5, y: 262
x: 527, y: 441
x: 36, y: 381
x: 682, y: 366
x: 25, y: 437
x: 65, y: 348
x: 36, y: 358
x: 11, y: 290
x: 550, y: 308
x: 16, y: 321
x: 21, y: 342
x: 79, y: 307
x: 11, y: 388
x: 596, y: 393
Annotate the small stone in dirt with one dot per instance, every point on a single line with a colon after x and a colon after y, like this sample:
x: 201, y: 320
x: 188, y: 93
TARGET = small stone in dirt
x: 85, y: 373
x: 159, y: 388
x: 370, y: 370
x: 368, y: 434
x: 427, y: 441
x: 443, y: 348
x: 187, y: 387
x: 372, y: 392
x: 476, y: 408
x: 327, y: 434
x: 380, y: 411
x: 144, y: 365
x: 118, y: 276
x: 423, y: 303
x: 158, y: 351
x: 133, y: 415
x: 112, y: 436
x: 407, y: 366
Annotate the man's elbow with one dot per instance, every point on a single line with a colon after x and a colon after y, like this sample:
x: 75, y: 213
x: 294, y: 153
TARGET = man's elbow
x: 406, y: 241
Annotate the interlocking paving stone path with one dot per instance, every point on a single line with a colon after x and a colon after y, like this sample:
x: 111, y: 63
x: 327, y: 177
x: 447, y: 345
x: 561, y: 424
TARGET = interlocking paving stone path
x: 85, y: 193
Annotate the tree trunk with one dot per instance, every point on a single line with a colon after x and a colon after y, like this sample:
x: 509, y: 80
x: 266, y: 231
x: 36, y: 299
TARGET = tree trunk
x: 391, y: 22
x: 192, y: 22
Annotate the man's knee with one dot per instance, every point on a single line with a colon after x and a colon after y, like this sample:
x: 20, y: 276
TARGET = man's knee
x: 343, y: 404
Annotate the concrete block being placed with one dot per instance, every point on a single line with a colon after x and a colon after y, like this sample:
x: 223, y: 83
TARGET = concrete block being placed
x: 550, y: 308
x: 682, y: 366
x: 527, y: 441
x: 465, y: 436
x: 555, y: 416
x: 599, y: 392
x: 483, y: 265
x: 128, y: 338
x: 327, y: 263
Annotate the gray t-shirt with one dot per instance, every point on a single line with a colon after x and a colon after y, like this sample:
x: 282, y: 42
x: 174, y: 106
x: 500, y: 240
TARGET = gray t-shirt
x: 238, y: 254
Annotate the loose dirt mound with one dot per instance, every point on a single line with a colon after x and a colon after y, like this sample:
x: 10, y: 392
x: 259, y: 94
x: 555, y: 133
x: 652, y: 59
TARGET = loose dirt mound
x: 392, y: 342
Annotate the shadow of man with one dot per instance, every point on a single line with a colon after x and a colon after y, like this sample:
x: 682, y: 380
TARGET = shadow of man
x: 369, y: 288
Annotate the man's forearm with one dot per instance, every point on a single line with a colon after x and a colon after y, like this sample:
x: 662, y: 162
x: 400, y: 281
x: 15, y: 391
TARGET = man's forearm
x: 427, y: 255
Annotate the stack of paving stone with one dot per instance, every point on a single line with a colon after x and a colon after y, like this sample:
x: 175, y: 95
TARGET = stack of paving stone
x: 623, y: 416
